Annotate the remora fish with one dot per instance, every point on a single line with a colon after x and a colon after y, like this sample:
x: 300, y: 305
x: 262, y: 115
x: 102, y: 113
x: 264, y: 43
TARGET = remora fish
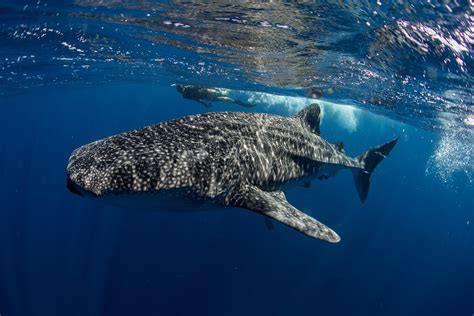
x: 230, y: 159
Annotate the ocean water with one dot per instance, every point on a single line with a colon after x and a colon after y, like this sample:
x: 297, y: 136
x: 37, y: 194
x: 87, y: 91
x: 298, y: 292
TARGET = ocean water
x: 72, y: 72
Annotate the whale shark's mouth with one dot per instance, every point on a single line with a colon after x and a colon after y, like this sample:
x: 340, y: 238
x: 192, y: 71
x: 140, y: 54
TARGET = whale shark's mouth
x: 71, y: 186
x: 74, y: 188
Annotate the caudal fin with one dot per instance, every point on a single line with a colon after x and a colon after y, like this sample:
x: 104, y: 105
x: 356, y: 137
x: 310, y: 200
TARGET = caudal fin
x: 370, y: 159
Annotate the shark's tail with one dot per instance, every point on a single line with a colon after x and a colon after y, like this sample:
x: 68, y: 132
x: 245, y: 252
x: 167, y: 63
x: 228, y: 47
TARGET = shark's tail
x: 370, y: 159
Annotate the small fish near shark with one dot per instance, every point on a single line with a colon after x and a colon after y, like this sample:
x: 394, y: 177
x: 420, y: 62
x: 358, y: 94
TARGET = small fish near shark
x: 230, y: 159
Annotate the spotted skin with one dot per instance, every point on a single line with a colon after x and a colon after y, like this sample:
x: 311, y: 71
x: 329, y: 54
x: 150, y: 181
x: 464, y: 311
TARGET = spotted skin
x: 224, y: 158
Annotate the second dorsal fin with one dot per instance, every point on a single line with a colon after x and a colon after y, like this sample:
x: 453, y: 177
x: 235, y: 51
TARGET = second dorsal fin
x: 310, y: 116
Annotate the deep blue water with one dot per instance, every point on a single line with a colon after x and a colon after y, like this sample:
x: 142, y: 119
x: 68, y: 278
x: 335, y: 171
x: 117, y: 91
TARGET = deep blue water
x: 72, y: 72
x: 409, y: 250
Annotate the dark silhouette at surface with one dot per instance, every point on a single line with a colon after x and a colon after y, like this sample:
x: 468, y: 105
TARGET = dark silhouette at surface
x: 210, y: 94
x: 314, y: 92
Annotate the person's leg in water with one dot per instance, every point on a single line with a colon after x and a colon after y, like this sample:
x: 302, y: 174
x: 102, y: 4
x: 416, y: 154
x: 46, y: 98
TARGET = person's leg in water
x: 247, y: 105
x: 207, y: 105
x: 230, y: 100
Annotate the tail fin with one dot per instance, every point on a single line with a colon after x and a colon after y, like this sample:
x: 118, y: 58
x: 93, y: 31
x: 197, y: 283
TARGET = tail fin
x: 370, y: 159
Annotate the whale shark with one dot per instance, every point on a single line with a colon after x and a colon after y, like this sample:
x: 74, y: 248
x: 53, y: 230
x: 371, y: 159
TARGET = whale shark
x: 226, y: 159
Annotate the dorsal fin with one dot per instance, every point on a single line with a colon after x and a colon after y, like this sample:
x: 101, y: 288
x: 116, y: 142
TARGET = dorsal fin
x: 339, y: 146
x: 310, y: 117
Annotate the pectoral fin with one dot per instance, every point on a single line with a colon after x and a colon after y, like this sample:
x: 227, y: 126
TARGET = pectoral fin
x: 274, y: 205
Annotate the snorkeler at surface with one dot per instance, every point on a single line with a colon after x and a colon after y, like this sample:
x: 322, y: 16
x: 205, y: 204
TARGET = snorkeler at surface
x: 316, y: 93
x: 313, y: 92
x: 203, y: 93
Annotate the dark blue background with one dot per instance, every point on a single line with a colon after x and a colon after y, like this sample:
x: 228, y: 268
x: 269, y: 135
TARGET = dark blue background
x: 409, y: 250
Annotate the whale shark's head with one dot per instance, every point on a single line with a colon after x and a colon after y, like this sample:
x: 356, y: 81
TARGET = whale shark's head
x: 128, y: 164
x: 87, y: 174
x: 101, y: 171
